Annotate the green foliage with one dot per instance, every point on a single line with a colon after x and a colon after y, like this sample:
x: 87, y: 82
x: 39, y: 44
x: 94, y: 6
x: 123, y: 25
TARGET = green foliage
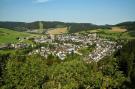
x: 3, y: 59
x: 86, y: 50
x: 36, y: 72
x: 126, y: 62
x: 112, y: 77
x: 104, y: 33
x: 51, y: 60
x: 75, y: 74
x: 26, y: 74
x: 67, y: 75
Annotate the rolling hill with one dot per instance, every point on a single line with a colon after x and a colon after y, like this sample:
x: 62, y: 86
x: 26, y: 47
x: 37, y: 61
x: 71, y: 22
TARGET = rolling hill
x: 71, y: 27
x: 128, y: 25
x: 9, y: 36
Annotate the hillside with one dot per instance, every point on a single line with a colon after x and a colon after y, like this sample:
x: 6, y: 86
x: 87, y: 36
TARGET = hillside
x: 8, y: 36
x: 128, y: 25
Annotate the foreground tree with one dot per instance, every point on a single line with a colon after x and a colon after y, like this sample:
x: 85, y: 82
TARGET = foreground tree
x: 68, y: 75
x: 28, y: 74
x: 112, y: 76
x: 126, y: 63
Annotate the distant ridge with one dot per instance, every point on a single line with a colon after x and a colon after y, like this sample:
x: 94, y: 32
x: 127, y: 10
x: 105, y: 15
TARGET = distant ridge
x: 72, y: 27
x: 130, y: 25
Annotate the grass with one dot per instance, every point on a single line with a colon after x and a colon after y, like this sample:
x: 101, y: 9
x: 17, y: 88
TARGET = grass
x: 86, y: 51
x: 10, y: 36
x: 115, y: 34
x: 7, y: 51
x: 58, y: 31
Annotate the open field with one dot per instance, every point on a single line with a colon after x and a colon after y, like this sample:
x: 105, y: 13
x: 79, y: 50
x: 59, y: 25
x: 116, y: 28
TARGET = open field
x: 58, y: 31
x: 118, y: 29
x: 9, y: 36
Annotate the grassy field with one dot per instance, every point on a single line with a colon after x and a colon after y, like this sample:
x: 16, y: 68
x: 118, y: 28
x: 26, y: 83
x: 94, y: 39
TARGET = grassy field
x: 58, y: 30
x: 113, y: 29
x: 9, y: 36
x: 7, y: 51
x: 114, y: 33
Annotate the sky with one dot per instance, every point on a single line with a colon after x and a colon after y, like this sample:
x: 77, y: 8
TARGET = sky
x: 81, y: 11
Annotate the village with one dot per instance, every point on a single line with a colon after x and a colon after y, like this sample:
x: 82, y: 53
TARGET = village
x: 63, y: 44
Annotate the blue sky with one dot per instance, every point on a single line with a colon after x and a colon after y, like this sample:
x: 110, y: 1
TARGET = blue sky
x: 88, y: 11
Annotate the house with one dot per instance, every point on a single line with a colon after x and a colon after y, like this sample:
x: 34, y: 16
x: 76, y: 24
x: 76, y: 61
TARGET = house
x: 19, y: 45
x: 61, y: 55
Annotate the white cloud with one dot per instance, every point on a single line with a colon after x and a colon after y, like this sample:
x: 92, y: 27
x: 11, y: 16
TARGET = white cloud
x: 41, y: 1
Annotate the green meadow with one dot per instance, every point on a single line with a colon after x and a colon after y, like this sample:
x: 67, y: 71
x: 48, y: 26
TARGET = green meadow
x: 10, y: 36
x: 114, y: 34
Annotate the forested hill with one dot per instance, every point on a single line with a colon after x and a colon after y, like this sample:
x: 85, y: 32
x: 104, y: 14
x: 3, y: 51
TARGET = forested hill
x: 73, y: 27
x: 12, y: 25
x: 130, y: 26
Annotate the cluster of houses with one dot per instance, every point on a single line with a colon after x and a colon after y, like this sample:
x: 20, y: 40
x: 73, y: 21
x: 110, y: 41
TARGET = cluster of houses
x: 102, y: 49
x: 19, y: 45
x: 14, y: 46
x: 59, y: 50
x: 82, y: 39
x: 73, y: 42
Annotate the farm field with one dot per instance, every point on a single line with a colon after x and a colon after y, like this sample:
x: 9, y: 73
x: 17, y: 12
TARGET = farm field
x: 112, y: 30
x: 58, y: 31
x: 118, y: 29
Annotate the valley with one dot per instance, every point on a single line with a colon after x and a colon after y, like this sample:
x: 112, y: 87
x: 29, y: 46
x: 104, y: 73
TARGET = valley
x: 58, y: 50
x: 67, y: 44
